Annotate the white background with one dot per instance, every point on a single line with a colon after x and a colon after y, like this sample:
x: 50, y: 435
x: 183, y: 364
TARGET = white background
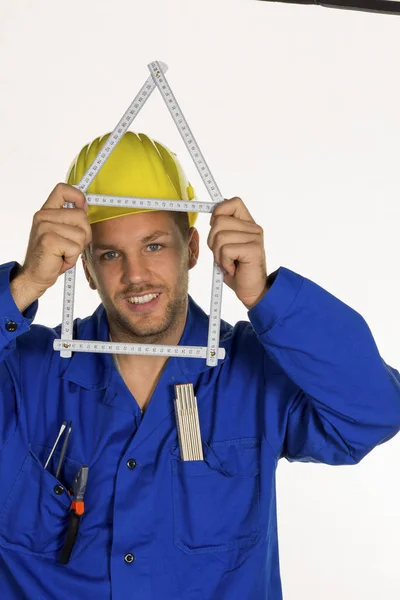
x: 296, y: 110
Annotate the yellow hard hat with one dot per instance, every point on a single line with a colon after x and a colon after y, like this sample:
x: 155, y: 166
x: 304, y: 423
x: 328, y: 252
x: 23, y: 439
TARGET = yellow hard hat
x: 138, y: 166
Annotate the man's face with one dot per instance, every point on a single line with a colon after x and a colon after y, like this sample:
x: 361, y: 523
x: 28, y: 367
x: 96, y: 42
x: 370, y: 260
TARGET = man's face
x: 139, y: 264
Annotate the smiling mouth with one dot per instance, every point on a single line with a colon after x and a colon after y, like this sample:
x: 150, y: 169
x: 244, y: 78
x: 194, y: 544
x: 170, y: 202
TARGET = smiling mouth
x: 142, y: 299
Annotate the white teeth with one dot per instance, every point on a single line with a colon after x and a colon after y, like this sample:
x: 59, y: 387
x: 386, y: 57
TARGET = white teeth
x: 142, y: 299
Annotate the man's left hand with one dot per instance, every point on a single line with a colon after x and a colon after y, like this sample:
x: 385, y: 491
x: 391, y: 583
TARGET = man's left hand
x: 237, y: 243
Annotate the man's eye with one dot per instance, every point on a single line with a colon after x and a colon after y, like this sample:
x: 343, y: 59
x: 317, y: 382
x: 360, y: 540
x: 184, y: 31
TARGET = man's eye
x: 109, y: 255
x: 154, y: 247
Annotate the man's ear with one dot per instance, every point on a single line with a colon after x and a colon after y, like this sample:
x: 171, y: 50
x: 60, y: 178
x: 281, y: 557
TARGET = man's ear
x: 87, y: 274
x: 193, y: 247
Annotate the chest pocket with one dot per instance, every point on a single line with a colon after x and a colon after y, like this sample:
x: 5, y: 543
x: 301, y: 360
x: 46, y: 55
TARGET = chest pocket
x: 34, y: 518
x: 216, y: 501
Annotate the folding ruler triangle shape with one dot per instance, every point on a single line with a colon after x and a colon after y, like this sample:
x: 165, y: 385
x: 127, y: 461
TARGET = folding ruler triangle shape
x: 66, y: 345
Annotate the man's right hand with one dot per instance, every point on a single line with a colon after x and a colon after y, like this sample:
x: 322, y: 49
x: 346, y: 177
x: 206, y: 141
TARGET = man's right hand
x: 58, y: 237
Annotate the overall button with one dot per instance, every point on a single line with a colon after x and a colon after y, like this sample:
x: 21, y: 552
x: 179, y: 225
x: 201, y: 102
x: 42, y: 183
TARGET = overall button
x: 58, y: 489
x: 129, y: 558
x: 11, y: 326
x: 131, y: 463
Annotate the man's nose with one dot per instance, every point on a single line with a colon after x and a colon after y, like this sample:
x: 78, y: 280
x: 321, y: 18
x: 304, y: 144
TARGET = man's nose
x: 135, y: 270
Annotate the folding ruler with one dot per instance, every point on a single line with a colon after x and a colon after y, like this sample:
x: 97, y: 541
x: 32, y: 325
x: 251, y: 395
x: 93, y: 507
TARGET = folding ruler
x: 66, y: 345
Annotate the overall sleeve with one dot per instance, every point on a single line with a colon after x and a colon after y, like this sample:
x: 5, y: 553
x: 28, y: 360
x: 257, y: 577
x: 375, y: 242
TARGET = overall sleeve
x: 330, y: 396
x: 13, y: 323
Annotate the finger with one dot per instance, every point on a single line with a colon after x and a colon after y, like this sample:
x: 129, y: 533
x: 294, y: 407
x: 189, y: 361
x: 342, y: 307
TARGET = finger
x: 61, y: 248
x: 71, y: 254
x: 224, y: 223
x: 232, y: 239
x: 75, y: 217
x: 65, y: 193
x: 232, y: 254
x: 233, y: 207
x: 75, y: 234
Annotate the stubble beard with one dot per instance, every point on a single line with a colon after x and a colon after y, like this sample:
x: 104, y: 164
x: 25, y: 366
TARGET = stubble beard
x: 151, y: 332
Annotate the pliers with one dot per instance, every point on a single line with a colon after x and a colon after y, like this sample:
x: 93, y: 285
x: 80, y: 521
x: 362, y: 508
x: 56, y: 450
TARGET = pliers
x: 77, y: 509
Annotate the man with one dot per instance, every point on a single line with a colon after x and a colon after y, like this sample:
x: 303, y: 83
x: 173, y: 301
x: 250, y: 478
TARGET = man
x: 302, y: 380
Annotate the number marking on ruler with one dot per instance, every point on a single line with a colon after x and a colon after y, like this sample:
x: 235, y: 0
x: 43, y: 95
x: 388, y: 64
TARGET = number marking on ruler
x: 215, y: 194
